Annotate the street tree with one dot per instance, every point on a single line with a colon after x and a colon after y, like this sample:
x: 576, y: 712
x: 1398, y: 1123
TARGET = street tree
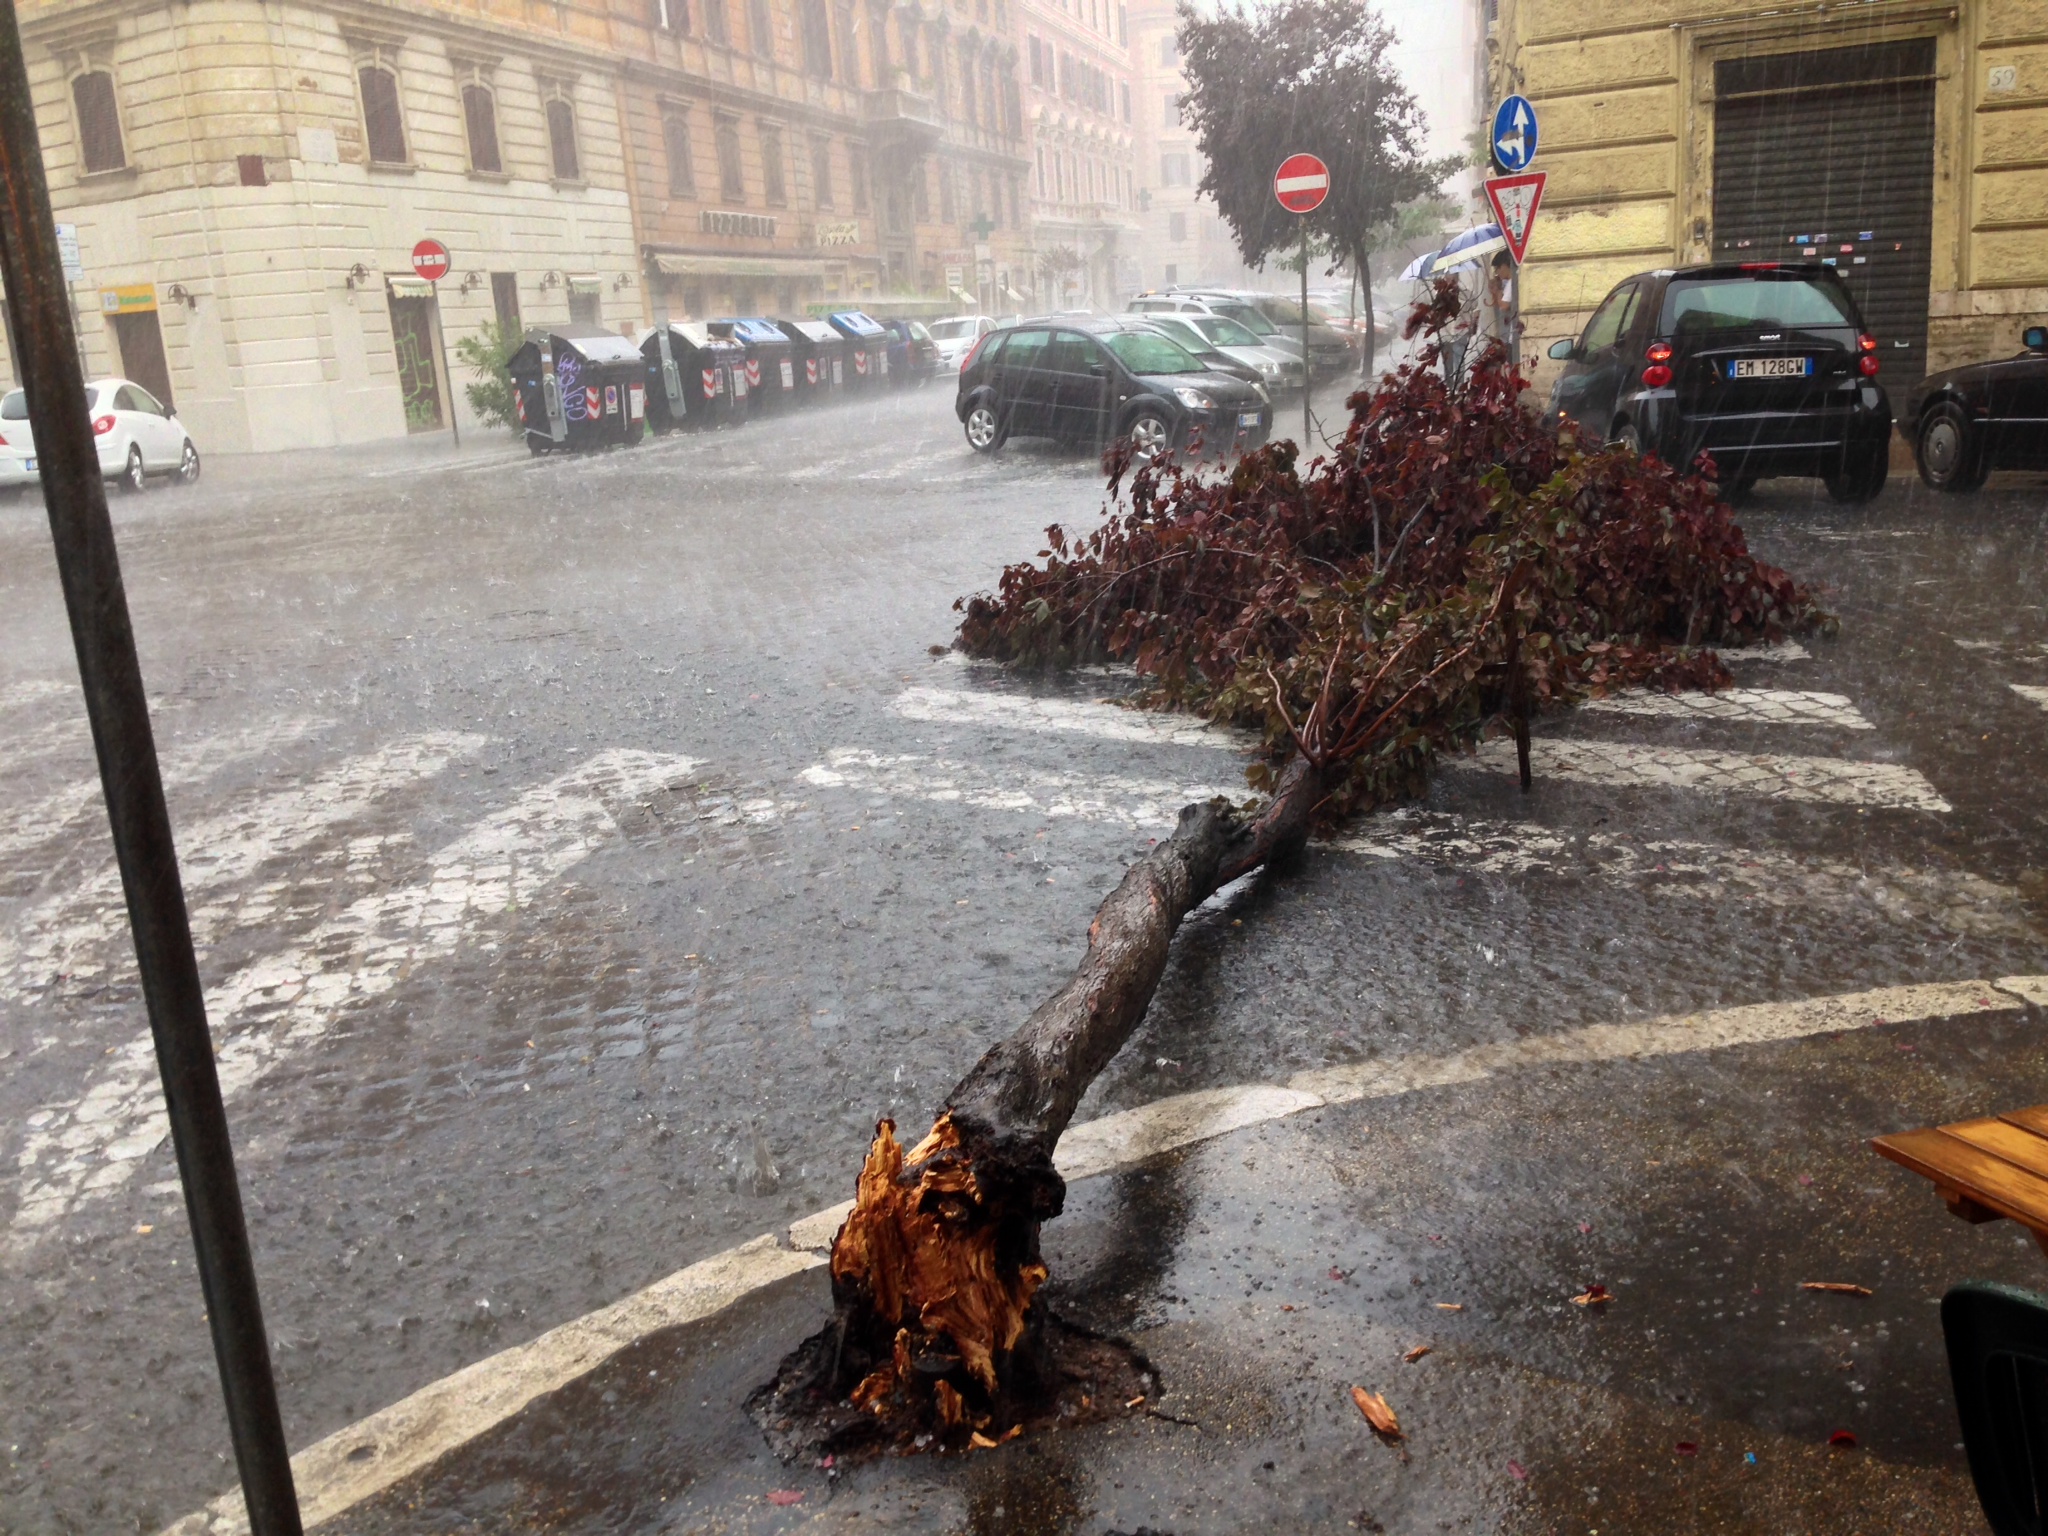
x: 1455, y: 567
x: 1305, y: 75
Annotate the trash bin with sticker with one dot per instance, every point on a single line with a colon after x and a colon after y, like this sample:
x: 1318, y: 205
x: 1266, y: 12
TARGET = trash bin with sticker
x: 695, y: 380
x: 578, y: 388
x: 817, y: 358
x: 771, y: 369
x: 867, y: 349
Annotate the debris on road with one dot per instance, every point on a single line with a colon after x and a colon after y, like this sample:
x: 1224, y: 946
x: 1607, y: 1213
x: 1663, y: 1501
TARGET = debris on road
x: 1835, y: 1287
x: 1416, y: 1353
x: 1593, y: 1296
x: 1377, y: 1414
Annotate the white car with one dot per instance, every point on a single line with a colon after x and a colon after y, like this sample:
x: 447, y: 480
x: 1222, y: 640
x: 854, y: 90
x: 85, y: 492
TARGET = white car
x: 955, y: 338
x: 137, y: 437
x: 1279, y: 371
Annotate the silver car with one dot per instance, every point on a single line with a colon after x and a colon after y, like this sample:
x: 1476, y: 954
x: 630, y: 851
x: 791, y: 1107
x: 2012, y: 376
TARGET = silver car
x: 1279, y: 371
x: 955, y: 337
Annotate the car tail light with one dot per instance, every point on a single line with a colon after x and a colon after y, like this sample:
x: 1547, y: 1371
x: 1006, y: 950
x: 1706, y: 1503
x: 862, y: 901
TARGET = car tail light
x: 1660, y: 352
x: 974, y: 351
x: 1866, y: 363
x: 1657, y: 375
x: 1760, y: 266
x: 102, y: 425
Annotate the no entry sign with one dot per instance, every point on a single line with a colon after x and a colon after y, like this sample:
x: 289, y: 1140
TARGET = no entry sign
x: 1301, y: 183
x: 430, y: 260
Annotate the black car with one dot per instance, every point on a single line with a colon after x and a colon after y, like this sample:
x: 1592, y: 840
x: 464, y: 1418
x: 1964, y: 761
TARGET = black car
x: 1095, y: 382
x: 1967, y: 422
x: 1765, y: 365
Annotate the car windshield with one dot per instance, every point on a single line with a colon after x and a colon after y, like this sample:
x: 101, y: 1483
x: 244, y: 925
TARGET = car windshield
x: 1224, y: 332
x: 1149, y: 352
x: 918, y: 332
x: 1695, y: 306
x: 952, y: 330
x: 14, y: 407
x: 1281, y: 311
x: 1247, y: 317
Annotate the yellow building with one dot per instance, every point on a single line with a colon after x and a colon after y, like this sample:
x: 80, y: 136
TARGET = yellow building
x: 1906, y: 142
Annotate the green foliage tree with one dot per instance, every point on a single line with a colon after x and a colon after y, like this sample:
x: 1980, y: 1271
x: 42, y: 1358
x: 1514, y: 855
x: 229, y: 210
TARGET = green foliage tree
x: 1313, y: 75
x: 488, y: 354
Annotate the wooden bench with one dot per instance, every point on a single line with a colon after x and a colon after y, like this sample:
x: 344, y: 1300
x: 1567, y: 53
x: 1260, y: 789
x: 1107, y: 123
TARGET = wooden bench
x: 1990, y: 1169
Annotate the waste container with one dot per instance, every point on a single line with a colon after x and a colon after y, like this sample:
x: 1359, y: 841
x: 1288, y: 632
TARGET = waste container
x: 818, y: 358
x: 578, y: 388
x: 771, y: 369
x: 695, y: 380
x: 867, y: 349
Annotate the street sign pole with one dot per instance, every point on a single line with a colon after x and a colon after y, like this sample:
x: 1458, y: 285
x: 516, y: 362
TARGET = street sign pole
x: 89, y: 568
x: 1300, y: 185
x: 1515, y: 194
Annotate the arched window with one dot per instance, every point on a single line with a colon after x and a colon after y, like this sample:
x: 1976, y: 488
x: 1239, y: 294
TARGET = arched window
x: 562, y: 140
x: 383, y: 127
x: 817, y: 35
x: 99, y: 123
x: 480, y: 112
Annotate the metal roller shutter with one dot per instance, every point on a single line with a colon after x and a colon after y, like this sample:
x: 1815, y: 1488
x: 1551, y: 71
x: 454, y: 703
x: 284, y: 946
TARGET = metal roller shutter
x: 1830, y: 155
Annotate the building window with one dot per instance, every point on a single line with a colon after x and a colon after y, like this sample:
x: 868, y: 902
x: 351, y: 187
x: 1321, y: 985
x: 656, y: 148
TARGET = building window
x: 1178, y: 227
x: 1169, y: 110
x: 99, y: 123
x: 731, y: 185
x: 817, y: 36
x: 878, y: 44
x: 1174, y: 170
x: 761, y: 28
x: 821, y: 172
x: 849, y: 49
x: 672, y: 15
x: 383, y: 127
x: 505, y: 299
x: 251, y: 171
x: 675, y: 138
x: 771, y: 165
x: 857, y: 173
x: 718, y: 22
x: 1035, y: 52
x: 562, y: 140
x: 1041, y: 170
x: 970, y: 106
x: 949, y: 199
x: 921, y: 191
x: 1169, y: 50
x: 480, y: 112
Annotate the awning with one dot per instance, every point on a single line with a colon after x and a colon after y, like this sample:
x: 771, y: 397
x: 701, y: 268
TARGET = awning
x: 1015, y: 296
x: 963, y: 296
x: 586, y: 285
x: 670, y: 264
x: 410, y: 287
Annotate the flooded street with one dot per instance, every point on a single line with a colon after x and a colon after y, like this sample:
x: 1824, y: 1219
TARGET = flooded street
x: 585, y: 852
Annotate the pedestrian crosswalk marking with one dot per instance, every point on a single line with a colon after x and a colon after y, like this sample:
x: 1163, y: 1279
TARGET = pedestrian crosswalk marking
x: 2031, y: 693
x: 1761, y: 706
x: 1771, y: 776
x: 1026, y: 712
x: 1049, y: 793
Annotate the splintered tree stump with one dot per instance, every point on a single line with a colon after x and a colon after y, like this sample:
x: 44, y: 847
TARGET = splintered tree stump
x: 935, y: 1337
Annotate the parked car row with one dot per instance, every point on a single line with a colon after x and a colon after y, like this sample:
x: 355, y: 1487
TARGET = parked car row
x: 581, y: 386
x: 1770, y: 368
x: 137, y: 436
x: 1275, y: 323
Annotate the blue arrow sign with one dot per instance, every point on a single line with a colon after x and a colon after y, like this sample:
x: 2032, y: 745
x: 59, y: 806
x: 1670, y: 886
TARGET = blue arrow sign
x: 1514, y: 134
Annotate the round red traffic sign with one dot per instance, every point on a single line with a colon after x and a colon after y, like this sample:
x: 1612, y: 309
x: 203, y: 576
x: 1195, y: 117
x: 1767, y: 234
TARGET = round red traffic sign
x: 430, y: 260
x: 1301, y: 183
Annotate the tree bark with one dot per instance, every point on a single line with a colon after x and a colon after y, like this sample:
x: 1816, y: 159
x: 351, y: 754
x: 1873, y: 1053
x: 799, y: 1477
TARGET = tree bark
x: 935, y: 1269
x: 1372, y: 338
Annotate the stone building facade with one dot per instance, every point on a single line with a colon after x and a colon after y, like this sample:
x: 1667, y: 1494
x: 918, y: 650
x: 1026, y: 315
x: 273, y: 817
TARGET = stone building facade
x: 1906, y: 143
x: 1084, y: 174
x: 247, y: 180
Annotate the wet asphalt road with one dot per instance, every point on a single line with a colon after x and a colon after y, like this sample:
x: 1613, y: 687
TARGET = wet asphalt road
x: 577, y: 885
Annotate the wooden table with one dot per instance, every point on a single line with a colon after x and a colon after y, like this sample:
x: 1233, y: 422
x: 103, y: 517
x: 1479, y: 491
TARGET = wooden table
x: 1990, y: 1169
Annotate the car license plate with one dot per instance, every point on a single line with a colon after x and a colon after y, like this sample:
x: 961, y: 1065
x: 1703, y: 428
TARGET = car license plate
x: 1770, y: 367
x: 1247, y: 419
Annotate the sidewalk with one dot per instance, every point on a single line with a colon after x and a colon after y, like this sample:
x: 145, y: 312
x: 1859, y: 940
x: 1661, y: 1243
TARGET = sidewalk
x: 396, y: 457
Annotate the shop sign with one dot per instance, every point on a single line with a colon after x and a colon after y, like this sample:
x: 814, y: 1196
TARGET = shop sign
x: 128, y: 299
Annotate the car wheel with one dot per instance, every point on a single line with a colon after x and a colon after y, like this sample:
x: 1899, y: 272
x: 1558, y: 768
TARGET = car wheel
x: 1861, y: 476
x: 1946, y: 452
x: 1628, y: 438
x: 133, y: 477
x: 984, y: 430
x: 1151, y: 436
x: 188, y: 464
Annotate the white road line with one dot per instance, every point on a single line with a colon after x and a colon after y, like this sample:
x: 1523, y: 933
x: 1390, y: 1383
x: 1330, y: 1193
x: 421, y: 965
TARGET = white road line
x: 1951, y: 899
x: 371, y: 1455
x: 1110, y: 722
x: 2030, y: 692
x: 70, y: 934
x: 51, y: 817
x: 1620, y: 765
x: 285, y: 1003
x: 1761, y: 706
x: 1038, y: 792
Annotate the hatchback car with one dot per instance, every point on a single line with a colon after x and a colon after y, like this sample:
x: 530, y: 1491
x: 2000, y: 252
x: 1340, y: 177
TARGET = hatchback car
x: 1966, y: 422
x: 1097, y: 383
x: 136, y: 436
x: 1765, y: 365
x: 913, y: 356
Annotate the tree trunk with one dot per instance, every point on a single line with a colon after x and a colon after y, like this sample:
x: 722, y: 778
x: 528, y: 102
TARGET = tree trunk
x: 1372, y: 339
x: 935, y: 1269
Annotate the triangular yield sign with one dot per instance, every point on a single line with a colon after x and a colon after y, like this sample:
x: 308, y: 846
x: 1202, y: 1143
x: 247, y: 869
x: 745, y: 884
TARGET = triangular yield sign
x: 1515, y: 200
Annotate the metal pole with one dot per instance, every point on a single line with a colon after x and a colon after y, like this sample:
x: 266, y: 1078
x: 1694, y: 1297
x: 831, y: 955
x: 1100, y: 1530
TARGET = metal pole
x: 89, y: 568
x: 1306, y: 378
x: 447, y: 372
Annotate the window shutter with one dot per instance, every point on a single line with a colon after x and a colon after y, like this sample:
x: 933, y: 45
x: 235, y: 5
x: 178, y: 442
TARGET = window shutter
x: 382, y: 126
x: 562, y: 140
x: 682, y: 175
x: 480, y: 112
x: 99, y: 123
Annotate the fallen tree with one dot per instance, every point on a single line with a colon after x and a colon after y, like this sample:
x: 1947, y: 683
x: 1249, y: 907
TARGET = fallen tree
x: 1450, y: 569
